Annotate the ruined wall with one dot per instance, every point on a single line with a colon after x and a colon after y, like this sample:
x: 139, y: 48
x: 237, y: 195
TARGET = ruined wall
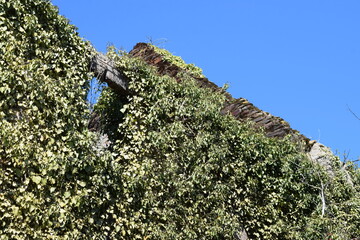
x: 240, y: 108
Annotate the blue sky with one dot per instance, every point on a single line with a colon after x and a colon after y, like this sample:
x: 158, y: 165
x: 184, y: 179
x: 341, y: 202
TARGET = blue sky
x: 299, y: 60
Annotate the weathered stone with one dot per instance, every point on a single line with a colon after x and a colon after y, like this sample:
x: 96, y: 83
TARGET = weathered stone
x: 241, y: 235
x: 102, y: 143
x: 94, y: 124
x: 323, y: 156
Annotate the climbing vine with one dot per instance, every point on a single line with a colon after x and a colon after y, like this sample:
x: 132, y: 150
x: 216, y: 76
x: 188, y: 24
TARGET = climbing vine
x: 48, y: 171
x: 190, y: 172
x: 176, y: 168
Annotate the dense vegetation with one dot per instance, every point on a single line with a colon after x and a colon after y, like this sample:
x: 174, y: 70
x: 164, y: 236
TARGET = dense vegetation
x: 176, y: 169
x: 47, y: 164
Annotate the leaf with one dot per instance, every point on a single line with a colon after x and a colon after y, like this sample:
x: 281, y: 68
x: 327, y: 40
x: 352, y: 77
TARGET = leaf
x: 82, y: 184
x: 67, y: 194
x: 36, y: 179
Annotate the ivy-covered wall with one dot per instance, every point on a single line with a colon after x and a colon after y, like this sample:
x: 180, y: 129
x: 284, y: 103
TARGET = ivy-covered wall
x: 49, y: 173
x: 177, y: 168
x: 241, y: 109
x: 192, y: 172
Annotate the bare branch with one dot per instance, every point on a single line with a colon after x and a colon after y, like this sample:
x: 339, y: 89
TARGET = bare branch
x: 352, y: 112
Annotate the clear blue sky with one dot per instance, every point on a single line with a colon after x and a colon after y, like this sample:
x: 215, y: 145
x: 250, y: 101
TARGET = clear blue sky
x: 299, y: 60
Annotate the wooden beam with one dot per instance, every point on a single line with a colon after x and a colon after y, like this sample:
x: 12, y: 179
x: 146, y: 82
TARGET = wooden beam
x: 106, y: 71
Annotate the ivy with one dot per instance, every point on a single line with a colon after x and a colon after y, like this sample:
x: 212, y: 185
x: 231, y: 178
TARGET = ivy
x: 190, y: 172
x: 49, y: 174
x: 177, y: 168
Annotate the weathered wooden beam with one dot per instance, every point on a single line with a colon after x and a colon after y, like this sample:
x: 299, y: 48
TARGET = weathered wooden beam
x: 106, y: 71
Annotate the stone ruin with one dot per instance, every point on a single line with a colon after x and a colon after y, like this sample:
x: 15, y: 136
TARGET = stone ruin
x: 240, y: 108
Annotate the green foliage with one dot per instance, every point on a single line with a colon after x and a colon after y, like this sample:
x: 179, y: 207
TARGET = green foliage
x: 177, y: 169
x: 49, y: 174
x: 177, y: 61
x: 109, y: 107
x: 342, y: 216
x: 189, y: 172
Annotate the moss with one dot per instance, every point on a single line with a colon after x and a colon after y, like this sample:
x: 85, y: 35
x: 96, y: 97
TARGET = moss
x: 179, y: 62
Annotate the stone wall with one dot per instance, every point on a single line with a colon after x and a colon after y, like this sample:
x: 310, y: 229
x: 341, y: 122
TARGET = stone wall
x: 240, y: 108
